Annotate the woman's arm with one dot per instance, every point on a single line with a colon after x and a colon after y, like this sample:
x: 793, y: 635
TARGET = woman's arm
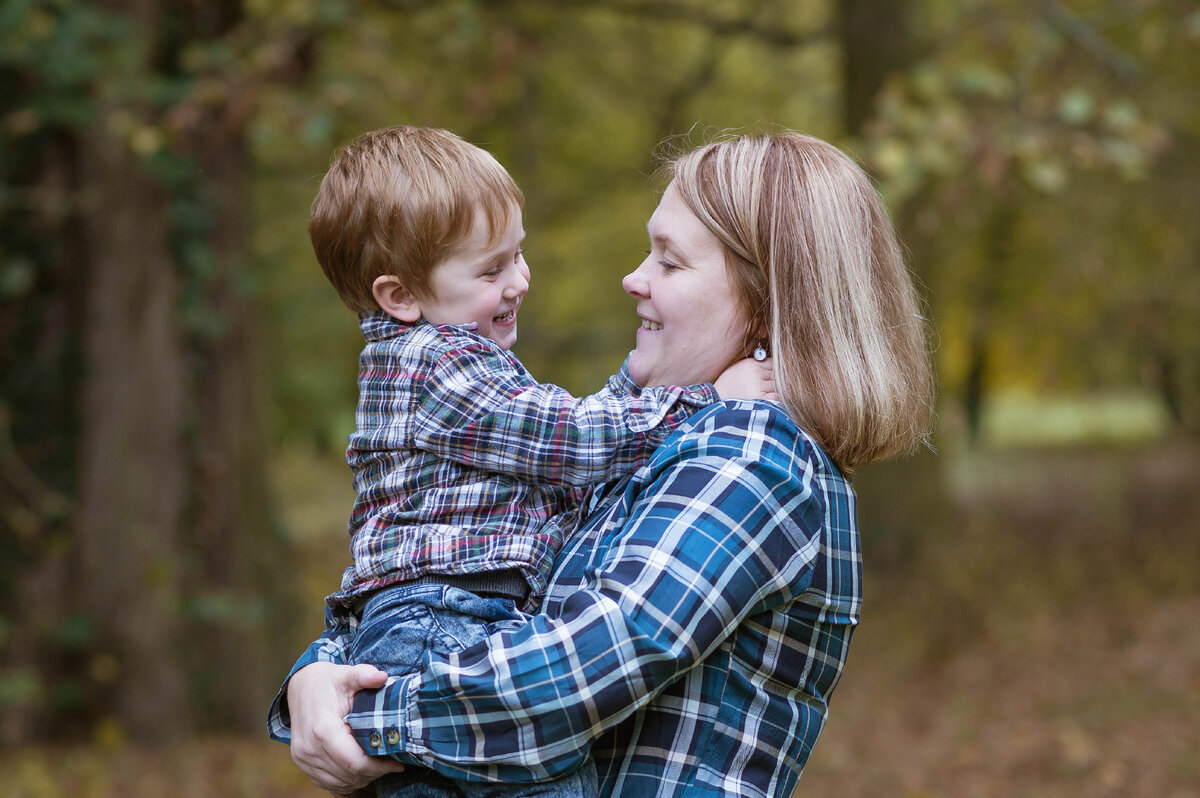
x: 724, y: 524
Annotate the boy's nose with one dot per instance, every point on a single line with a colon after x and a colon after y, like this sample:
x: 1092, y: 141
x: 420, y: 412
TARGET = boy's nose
x: 519, y: 284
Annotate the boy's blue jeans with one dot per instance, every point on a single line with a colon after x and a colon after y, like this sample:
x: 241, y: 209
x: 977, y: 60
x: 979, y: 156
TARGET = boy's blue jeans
x: 398, y: 625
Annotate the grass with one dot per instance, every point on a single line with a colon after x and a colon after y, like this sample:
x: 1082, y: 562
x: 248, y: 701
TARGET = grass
x: 1024, y: 419
x: 235, y: 767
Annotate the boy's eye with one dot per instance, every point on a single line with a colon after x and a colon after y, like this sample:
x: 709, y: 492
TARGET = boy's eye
x: 520, y: 253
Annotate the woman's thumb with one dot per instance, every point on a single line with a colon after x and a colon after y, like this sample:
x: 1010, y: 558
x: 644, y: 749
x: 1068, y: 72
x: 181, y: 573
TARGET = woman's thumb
x: 367, y: 677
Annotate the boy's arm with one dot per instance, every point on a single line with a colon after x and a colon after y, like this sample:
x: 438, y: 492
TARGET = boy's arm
x: 479, y: 407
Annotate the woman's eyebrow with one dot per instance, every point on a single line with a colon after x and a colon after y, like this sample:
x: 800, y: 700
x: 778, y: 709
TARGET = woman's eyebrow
x: 659, y: 237
x: 671, y: 246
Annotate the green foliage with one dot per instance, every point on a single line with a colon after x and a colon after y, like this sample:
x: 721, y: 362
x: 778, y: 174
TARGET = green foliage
x: 53, y: 50
x: 1026, y: 156
x: 1005, y: 109
x: 72, y: 74
x: 573, y: 101
x: 1040, y: 158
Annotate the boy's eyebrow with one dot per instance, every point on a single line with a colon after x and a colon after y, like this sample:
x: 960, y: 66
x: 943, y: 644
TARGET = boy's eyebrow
x: 493, y: 251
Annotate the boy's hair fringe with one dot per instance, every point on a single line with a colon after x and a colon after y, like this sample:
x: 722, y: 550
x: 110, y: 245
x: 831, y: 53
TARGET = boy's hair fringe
x: 396, y: 201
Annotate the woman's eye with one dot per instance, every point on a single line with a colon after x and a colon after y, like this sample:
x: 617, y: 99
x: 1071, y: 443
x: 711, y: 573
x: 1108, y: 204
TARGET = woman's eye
x: 668, y: 267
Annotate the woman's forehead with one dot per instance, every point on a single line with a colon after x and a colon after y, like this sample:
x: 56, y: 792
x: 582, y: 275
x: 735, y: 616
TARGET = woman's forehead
x: 674, y: 225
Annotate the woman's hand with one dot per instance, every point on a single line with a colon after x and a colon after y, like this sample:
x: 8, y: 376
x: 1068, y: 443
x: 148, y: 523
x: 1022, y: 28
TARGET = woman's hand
x: 747, y: 379
x: 319, y: 697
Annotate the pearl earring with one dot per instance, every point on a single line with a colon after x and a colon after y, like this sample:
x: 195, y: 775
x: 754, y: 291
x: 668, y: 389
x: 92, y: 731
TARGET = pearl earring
x: 760, y: 353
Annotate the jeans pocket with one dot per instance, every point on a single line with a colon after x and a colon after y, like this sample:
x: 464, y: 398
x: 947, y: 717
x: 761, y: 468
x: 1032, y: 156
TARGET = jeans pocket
x: 393, y: 636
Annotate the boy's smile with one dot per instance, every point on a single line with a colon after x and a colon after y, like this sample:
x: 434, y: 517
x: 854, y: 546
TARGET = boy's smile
x: 481, y: 282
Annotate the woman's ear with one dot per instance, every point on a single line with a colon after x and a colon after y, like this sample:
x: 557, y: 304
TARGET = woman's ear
x: 395, y: 300
x: 757, y: 334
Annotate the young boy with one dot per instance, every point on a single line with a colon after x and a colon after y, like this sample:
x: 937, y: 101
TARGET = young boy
x: 459, y: 456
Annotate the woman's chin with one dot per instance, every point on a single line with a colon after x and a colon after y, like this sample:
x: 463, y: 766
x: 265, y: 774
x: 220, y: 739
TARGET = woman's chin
x: 641, y: 372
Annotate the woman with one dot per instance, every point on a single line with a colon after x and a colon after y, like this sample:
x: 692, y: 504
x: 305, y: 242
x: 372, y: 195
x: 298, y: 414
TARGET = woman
x: 699, y: 619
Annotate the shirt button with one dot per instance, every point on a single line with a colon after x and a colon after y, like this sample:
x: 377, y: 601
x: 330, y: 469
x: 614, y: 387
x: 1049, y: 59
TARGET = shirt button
x: 393, y: 737
x: 375, y: 740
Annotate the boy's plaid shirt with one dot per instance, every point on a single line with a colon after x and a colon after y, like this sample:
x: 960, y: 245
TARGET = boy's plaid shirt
x: 715, y: 590
x: 460, y: 457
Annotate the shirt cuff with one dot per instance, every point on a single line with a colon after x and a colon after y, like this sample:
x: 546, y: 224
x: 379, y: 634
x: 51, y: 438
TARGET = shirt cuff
x: 662, y: 403
x: 279, y: 720
x: 376, y: 719
x: 701, y: 394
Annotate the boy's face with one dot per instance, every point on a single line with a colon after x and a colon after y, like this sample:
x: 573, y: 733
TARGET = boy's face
x: 481, y: 283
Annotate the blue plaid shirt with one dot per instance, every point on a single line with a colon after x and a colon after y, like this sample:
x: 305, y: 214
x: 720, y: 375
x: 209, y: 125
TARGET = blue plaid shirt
x: 693, y: 632
x: 460, y: 457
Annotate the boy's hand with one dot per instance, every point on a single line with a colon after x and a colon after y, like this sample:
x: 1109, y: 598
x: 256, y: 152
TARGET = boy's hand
x: 747, y: 379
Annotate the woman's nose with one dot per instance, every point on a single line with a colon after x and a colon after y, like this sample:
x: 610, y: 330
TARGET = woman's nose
x: 634, y: 284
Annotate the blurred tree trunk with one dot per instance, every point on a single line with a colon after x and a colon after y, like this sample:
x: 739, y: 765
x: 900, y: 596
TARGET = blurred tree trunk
x: 998, y: 235
x: 1170, y: 334
x: 875, y: 44
x: 171, y: 533
x: 133, y: 460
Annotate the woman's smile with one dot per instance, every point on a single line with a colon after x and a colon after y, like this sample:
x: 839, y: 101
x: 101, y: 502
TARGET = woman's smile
x: 691, y: 324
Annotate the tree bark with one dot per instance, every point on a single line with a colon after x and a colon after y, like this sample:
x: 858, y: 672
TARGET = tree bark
x: 875, y: 44
x: 132, y: 454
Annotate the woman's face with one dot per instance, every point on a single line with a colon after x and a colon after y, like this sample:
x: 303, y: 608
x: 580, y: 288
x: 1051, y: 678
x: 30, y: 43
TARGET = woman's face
x: 692, y: 326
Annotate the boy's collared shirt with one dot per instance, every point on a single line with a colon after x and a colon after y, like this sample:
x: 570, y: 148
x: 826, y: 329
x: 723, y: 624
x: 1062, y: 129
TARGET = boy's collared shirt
x: 460, y: 457
x: 715, y: 590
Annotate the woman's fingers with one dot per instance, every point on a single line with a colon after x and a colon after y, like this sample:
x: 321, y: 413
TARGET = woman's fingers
x: 319, y: 697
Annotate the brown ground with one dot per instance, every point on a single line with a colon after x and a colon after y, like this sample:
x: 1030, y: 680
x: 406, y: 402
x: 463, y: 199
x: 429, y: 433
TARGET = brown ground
x: 1032, y: 629
x: 1067, y: 705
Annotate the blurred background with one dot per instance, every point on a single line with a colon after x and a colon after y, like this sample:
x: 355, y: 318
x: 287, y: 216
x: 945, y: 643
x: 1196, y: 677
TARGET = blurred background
x: 177, y: 379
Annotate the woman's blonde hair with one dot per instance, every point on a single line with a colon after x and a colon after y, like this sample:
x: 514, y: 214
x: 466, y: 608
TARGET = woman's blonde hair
x: 816, y: 265
x: 395, y: 202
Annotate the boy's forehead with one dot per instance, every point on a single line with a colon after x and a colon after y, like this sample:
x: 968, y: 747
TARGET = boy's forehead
x: 495, y: 226
x: 491, y: 229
